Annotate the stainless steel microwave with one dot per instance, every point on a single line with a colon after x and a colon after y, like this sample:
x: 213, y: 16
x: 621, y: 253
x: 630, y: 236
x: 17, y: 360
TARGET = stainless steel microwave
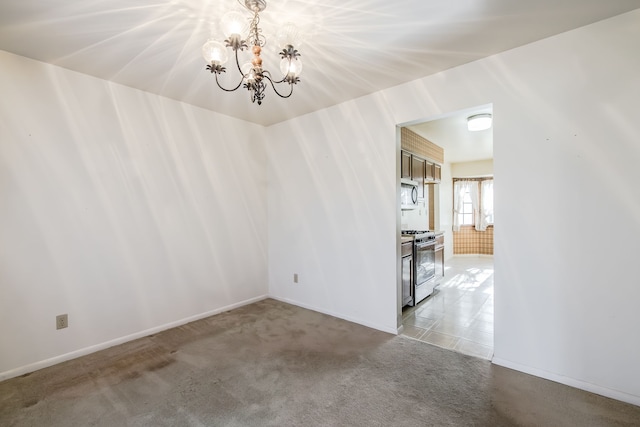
x: 408, y: 194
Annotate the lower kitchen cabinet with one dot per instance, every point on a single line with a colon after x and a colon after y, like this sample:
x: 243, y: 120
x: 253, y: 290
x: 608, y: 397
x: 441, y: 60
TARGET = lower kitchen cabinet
x: 407, y: 273
x: 439, y: 255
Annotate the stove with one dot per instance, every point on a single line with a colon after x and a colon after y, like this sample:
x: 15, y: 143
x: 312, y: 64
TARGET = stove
x: 420, y: 234
x: 424, y: 242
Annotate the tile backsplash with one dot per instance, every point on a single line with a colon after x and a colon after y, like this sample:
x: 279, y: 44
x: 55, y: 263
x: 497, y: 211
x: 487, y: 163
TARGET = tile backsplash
x: 414, y: 143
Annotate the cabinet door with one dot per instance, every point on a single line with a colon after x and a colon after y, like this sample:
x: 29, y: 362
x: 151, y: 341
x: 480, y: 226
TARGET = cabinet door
x: 439, y: 256
x: 428, y: 175
x: 406, y: 165
x: 437, y: 173
x: 407, y: 280
x: 417, y: 174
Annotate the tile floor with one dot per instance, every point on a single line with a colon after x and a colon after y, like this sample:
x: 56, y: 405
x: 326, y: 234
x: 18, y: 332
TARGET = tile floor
x: 459, y: 314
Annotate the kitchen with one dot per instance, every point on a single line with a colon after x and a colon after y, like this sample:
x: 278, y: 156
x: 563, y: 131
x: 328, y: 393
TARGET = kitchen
x: 445, y: 303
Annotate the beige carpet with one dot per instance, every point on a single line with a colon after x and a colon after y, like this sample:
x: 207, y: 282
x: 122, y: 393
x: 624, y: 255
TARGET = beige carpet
x: 273, y: 364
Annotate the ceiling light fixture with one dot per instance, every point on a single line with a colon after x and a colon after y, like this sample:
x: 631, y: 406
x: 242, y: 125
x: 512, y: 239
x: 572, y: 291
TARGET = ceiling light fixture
x: 479, y: 122
x: 252, y: 74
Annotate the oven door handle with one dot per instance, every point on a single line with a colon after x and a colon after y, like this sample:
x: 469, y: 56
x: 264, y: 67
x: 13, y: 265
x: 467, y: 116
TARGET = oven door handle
x: 425, y: 245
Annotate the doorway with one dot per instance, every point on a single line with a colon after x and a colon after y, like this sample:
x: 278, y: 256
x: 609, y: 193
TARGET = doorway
x: 459, y: 314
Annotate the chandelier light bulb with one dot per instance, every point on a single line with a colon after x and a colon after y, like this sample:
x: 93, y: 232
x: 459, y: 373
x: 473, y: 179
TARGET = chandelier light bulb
x: 214, y: 52
x: 289, y: 35
x: 233, y: 24
x: 291, y: 67
x: 248, y: 72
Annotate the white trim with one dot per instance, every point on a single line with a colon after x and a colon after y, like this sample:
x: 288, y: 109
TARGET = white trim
x: 582, y: 385
x: 393, y: 331
x: 94, y: 348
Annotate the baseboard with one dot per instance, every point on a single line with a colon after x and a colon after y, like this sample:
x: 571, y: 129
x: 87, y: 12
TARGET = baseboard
x: 582, y: 385
x: 94, y: 348
x: 393, y: 331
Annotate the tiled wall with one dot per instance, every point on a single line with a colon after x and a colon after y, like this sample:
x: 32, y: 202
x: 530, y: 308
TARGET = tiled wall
x: 470, y: 241
x: 414, y: 143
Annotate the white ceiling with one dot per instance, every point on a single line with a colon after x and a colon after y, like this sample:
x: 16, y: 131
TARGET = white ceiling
x: 451, y: 133
x: 354, y: 47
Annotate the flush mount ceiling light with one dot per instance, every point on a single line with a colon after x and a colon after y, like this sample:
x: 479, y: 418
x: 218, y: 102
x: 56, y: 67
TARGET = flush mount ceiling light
x: 252, y: 74
x: 479, y: 122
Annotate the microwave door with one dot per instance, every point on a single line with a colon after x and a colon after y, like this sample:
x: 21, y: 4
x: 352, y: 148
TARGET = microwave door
x: 408, y: 196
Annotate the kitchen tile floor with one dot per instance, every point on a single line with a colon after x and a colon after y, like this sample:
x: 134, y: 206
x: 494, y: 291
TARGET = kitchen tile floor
x: 459, y: 314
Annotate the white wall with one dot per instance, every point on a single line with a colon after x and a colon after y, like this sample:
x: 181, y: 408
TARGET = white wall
x: 128, y: 211
x: 476, y: 168
x: 565, y: 142
x: 445, y: 206
x: 416, y: 219
x: 332, y: 212
x: 120, y: 208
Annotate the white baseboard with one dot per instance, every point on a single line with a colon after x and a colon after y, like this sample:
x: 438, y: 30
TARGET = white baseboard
x: 582, y: 385
x: 393, y: 331
x: 92, y: 349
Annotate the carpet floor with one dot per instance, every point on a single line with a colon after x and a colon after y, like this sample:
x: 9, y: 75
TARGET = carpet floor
x: 274, y: 364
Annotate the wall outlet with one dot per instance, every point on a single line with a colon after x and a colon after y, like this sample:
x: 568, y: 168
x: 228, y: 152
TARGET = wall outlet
x: 62, y: 321
x: 295, y: 277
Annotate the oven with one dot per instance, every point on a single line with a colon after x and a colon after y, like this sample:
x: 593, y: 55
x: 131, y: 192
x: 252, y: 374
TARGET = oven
x: 424, y: 264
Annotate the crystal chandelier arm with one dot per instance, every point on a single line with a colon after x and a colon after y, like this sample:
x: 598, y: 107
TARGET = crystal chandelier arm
x: 273, y: 81
x: 224, y: 88
x: 238, y: 65
x: 276, y: 90
x: 241, y: 77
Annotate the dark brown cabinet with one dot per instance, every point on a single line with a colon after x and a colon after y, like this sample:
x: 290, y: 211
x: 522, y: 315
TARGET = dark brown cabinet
x: 417, y: 173
x: 439, y: 255
x: 406, y: 165
x: 437, y: 173
x: 428, y: 176
x: 420, y: 170
x: 407, y: 273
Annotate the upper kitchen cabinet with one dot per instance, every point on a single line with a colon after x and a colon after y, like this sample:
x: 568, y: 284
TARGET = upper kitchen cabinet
x: 418, y: 166
x: 437, y: 173
x: 419, y: 170
x: 433, y: 173
x: 414, y: 146
x: 406, y: 165
x: 428, y: 173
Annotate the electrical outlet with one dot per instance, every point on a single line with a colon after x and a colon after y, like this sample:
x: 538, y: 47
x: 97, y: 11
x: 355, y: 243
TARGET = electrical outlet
x: 62, y: 321
x: 295, y: 277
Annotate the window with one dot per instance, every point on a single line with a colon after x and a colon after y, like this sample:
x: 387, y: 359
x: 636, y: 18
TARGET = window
x: 473, y: 203
x: 486, y: 193
x: 465, y: 216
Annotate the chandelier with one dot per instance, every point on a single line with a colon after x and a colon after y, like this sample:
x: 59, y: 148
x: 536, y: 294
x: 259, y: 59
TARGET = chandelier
x: 252, y: 76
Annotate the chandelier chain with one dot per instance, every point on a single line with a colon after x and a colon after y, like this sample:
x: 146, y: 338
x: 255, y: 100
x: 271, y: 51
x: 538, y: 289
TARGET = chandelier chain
x: 255, y: 32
